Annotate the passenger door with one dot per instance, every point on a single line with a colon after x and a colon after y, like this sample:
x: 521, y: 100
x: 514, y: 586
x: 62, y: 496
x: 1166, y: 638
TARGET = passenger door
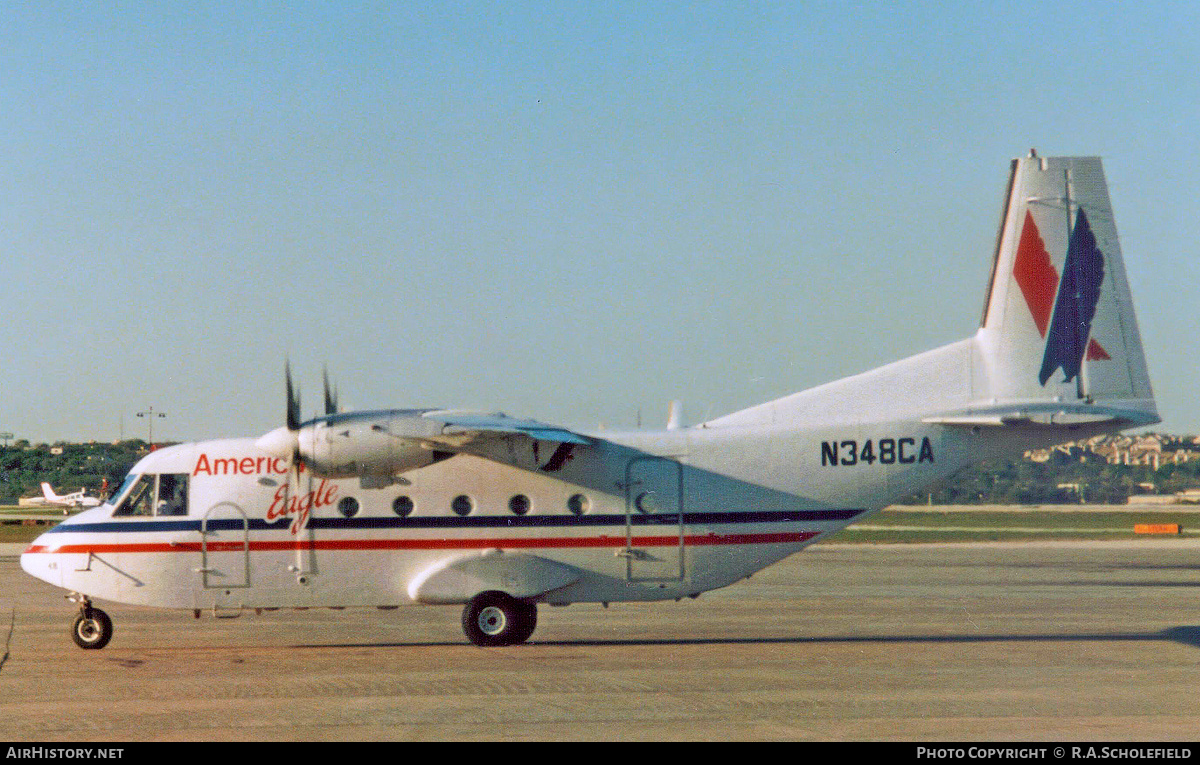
x: 225, y: 548
x: 654, y: 538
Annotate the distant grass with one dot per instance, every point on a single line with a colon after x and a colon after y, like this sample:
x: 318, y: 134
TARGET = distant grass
x: 1047, y: 519
x: 853, y: 536
x: 48, y: 512
x: 1004, y: 526
x: 14, y: 533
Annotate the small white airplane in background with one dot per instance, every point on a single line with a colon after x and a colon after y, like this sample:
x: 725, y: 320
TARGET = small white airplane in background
x: 498, y: 514
x: 74, y: 499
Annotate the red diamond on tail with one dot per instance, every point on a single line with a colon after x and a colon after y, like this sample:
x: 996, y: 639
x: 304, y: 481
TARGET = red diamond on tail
x: 1035, y: 274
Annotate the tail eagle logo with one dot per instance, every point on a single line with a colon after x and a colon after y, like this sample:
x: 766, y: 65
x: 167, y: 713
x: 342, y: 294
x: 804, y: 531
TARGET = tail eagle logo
x: 1062, y: 308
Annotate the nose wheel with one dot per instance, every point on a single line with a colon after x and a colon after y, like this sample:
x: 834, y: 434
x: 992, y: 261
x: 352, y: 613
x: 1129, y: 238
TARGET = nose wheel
x: 495, y: 619
x: 92, y: 629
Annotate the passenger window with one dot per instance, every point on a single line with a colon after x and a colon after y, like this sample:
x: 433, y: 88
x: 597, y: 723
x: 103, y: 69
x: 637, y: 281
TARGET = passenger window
x: 462, y: 505
x: 578, y: 504
x: 348, y: 506
x: 402, y: 506
x: 172, y: 494
x: 647, y: 503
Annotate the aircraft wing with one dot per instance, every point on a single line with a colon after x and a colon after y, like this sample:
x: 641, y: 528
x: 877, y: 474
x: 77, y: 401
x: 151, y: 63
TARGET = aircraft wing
x: 460, y: 428
x: 390, y: 442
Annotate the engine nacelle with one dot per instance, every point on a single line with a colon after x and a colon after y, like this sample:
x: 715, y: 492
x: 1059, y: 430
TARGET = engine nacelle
x: 369, y: 444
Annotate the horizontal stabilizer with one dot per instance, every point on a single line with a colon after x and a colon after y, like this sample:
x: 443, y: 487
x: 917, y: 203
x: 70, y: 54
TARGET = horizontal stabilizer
x: 1045, y: 414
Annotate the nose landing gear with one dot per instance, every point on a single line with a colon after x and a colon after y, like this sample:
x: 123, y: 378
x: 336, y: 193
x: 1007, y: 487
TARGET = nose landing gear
x: 92, y: 629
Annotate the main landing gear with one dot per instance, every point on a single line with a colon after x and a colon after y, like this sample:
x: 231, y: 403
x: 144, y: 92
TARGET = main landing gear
x: 494, y: 619
x: 490, y: 619
x: 92, y: 629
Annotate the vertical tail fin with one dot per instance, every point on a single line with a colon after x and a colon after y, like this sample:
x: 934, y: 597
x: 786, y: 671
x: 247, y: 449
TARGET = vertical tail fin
x: 1058, y: 322
x: 1059, y: 342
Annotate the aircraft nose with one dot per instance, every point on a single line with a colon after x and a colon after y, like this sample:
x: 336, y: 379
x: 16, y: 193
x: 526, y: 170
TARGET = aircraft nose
x: 39, y: 559
x: 40, y: 544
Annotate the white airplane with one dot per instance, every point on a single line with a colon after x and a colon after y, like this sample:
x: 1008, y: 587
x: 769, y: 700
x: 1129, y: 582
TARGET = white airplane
x: 498, y: 514
x: 74, y: 499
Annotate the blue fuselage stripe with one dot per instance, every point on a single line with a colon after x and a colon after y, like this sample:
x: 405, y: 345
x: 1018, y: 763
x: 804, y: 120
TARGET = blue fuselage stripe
x: 469, y: 522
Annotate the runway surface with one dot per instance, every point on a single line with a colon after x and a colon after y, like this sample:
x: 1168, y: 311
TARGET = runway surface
x: 1018, y: 642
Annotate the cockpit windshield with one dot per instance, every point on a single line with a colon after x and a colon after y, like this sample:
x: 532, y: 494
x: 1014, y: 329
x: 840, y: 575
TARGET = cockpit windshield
x: 172, y: 494
x: 151, y: 494
x: 120, y: 490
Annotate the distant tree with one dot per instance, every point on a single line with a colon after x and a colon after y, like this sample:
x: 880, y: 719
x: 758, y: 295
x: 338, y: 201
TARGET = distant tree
x: 1026, y: 482
x: 80, y: 465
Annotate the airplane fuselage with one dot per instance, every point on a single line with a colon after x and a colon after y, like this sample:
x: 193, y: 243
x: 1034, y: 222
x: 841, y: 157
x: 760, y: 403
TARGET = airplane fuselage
x: 634, y: 516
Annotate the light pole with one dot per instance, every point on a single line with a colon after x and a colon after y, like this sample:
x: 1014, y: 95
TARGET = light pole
x: 150, y: 414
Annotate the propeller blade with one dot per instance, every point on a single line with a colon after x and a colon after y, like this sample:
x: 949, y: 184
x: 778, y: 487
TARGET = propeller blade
x: 331, y: 403
x: 293, y: 400
x: 285, y: 442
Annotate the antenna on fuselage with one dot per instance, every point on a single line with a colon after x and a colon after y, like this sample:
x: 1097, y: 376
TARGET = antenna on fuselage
x: 674, y: 415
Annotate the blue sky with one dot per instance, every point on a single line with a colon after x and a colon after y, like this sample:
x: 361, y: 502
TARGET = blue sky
x: 569, y: 211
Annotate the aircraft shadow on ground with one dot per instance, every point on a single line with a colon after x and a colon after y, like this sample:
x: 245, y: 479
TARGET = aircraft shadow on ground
x: 1184, y: 635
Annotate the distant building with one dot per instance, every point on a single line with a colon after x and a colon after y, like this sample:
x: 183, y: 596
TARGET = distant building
x: 1152, y: 499
x: 1185, y: 497
x: 1152, y: 450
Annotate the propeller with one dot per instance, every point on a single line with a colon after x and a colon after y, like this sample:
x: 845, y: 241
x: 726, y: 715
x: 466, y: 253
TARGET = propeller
x: 285, y: 442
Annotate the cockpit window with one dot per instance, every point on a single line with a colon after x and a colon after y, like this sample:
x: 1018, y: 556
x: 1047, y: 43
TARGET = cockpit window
x: 155, y: 495
x: 172, y: 494
x: 139, y: 500
x: 120, y: 490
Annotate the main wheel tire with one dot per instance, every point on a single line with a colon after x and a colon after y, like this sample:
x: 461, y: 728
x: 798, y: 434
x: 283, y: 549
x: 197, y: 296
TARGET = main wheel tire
x: 92, y: 629
x: 527, y: 623
x: 495, y: 619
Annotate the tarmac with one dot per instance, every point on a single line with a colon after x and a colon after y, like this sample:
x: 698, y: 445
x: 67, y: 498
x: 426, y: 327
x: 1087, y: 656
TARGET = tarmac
x: 1043, y: 641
